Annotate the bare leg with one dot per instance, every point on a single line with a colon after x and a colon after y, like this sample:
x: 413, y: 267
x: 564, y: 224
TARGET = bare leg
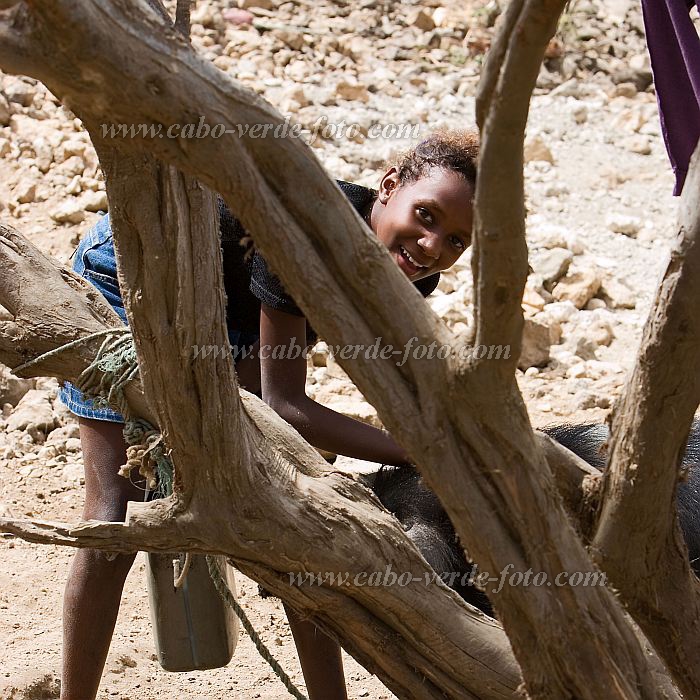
x: 95, y: 583
x: 320, y: 659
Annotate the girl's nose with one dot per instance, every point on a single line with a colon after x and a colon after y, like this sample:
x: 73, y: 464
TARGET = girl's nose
x: 430, y: 244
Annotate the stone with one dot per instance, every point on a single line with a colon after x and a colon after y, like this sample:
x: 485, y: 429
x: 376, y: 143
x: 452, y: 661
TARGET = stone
x: 451, y: 307
x: 551, y: 265
x: 537, y: 150
x: 440, y: 17
x: 617, y: 295
x: 352, y: 91
x: 25, y: 190
x: 291, y: 37
x: 5, y: 112
x: 293, y: 99
x: 12, y: 388
x: 623, y: 223
x: 638, y: 144
x: 625, y: 90
x: 570, y: 88
x: 640, y: 66
x: 420, y: 19
x: 319, y: 356
x: 580, y: 114
x: 58, y: 438
x: 70, y: 211
x: 595, y: 326
x: 578, y: 287
x: 73, y: 165
x: 20, y: 92
x: 44, y: 153
x: 532, y: 300
x: 32, y: 414
x: 238, y: 17
x: 262, y: 4
x: 94, y: 200
x: 208, y: 15
x: 72, y: 147
x: 596, y: 303
x: 585, y: 349
x: 535, y: 345
x: 73, y: 444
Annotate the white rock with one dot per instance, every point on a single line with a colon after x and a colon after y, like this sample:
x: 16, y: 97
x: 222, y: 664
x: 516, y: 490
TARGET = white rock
x: 537, y: 150
x: 12, y: 388
x: 535, y: 345
x: 20, y: 92
x: 617, y: 294
x: 94, y: 201
x: 60, y: 435
x: 262, y: 4
x: 33, y: 413
x: 580, y: 113
x: 74, y: 187
x: 551, y: 264
x: 70, y: 211
x: 73, y: 444
x: 73, y: 147
x: 623, y: 223
x: 5, y: 112
x: 578, y: 287
x: 44, y: 153
x: 420, y: 19
x: 638, y: 144
x: 561, y: 311
x: 440, y: 16
x: 25, y: 190
x: 345, y: 90
x: 74, y: 165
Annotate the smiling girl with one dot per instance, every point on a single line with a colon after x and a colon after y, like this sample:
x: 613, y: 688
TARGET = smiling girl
x: 422, y: 213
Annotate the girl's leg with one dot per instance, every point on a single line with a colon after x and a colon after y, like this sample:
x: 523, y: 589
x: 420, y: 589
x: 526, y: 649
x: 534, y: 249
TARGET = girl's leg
x: 94, y: 588
x: 320, y: 659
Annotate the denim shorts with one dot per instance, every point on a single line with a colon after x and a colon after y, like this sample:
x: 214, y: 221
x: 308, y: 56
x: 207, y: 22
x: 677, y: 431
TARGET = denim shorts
x: 95, y: 261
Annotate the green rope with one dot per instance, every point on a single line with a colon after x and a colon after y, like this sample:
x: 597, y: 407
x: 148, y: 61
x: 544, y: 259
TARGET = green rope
x: 230, y: 600
x: 67, y: 346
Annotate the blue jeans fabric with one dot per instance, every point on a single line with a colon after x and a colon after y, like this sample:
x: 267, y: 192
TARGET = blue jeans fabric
x: 95, y: 261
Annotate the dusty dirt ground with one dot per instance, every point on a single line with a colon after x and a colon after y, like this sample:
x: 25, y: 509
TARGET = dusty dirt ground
x: 601, y: 219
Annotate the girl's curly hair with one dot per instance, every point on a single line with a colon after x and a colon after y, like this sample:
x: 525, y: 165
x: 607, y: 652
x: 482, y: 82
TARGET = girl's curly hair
x: 453, y: 149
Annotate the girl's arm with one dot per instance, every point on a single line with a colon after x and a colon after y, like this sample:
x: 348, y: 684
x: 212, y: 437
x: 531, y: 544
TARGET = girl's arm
x: 283, y: 384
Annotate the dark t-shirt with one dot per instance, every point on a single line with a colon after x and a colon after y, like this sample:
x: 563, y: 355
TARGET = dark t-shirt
x: 248, y: 280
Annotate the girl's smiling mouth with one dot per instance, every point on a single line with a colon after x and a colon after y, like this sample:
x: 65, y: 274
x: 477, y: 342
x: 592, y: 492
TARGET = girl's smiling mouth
x: 409, y: 264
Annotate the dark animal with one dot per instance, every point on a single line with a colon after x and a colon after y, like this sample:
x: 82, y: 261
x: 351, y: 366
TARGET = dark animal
x: 402, y: 491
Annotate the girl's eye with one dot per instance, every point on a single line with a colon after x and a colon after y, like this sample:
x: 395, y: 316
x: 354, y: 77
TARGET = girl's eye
x: 458, y: 243
x: 425, y: 215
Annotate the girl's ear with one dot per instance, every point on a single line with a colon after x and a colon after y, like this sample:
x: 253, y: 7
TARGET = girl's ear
x: 388, y: 185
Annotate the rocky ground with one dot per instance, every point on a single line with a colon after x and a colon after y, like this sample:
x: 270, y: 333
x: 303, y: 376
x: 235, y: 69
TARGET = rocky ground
x: 601, y: 219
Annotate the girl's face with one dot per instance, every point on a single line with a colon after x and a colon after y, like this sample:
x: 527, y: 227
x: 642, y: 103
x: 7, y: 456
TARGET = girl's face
x: 426, y: 224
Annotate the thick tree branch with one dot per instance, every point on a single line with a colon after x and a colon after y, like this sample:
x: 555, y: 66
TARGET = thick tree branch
x: 638, y: 541
x: 182, y: 17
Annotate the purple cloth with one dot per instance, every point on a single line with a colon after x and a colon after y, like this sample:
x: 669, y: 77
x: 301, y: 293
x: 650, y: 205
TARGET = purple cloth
x: 674, y: 48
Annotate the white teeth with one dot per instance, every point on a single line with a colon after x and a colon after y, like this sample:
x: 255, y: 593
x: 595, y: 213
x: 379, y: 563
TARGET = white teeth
x: 410, y: 259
